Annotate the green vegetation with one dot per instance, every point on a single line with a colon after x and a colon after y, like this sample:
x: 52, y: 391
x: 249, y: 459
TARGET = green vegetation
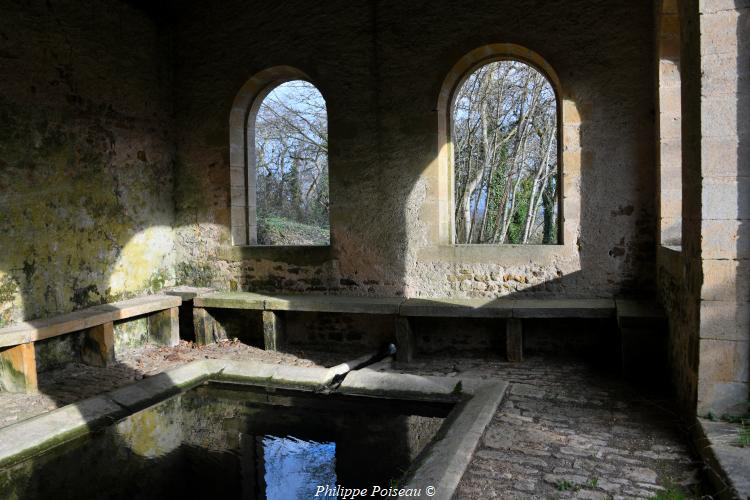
x: 745, y: 434
x: 291, y: 154
x: 670, y: 493
x: 505, y: 156
x: 565, y: 485
x: 458, y: 388
x: 744, y: 421
x: 282, y: 231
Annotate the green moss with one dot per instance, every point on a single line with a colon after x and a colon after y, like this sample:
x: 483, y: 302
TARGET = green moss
x: 458, y: 389
x: 158, y: 280
x: 8, y: 289
x: 69, y: 243
x: 195, y: 274
x: 11, y: 380
x: 130, y: 334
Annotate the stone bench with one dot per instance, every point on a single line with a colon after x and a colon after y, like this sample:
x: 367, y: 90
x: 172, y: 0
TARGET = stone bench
x: 18, y: 371
x: 209, y: 330
x: 643, y: 339
x: 512, y: 310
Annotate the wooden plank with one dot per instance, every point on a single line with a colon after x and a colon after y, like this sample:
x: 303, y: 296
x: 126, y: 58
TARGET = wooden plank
x: 41, y: 329
x: 457, y: 308
x: 514, y: 339
x: 334, y: 303
x: 406, y: 342
x: 273, y: 331
x: 99, y: 345
x: 141, y: 305
x: 231, y: 300
x: 164, y: 327
x: 18, y: 369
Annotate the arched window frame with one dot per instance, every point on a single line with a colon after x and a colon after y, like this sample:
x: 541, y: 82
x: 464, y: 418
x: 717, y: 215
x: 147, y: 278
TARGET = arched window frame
x: 568, y: 145
x: 242, y: 161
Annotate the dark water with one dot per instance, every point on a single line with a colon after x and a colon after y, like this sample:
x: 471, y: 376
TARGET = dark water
x: 223, y: 441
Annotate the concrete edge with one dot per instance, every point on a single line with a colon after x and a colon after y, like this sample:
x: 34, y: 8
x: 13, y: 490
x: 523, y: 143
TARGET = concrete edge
x: 445, y: 460
x: 368, y: 382
x: 35, y: 435
x: 438, y: 470
x: 28, y: 438
x: 728, y: 466
x: 153, y: 389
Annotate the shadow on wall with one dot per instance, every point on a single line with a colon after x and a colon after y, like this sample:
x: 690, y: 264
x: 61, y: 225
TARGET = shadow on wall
x: 113, y: 259
x: 545, y: 270
x: 743, y: 181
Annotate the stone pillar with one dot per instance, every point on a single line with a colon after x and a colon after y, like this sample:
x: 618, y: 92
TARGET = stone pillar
x: 207, y: 329
x: 164, y: 327
x: 405, y: 340
x: 724, y: 340
x: 514, y: 339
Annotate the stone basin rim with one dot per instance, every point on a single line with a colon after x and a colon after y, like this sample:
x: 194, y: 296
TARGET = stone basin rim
x: 441, y: 464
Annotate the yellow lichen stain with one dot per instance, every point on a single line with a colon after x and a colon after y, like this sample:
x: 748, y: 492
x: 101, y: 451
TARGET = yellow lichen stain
x: 141, y: 256
x: 150, y: 433
x: 11, y: 303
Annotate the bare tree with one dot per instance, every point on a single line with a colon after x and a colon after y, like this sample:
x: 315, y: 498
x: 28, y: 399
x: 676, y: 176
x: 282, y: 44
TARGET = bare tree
x: 505, y: 145
x: 291, y: 144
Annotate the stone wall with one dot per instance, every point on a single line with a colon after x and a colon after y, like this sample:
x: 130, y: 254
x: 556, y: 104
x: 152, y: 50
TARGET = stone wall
x: 86, y: 156
x: 380, y: 66
x: 109, y: 108
x: 704, y: 285
x: 678, y: 269
x: 724, y: 360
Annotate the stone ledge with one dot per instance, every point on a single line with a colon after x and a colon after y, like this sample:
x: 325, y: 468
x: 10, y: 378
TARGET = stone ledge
x: 728, y: 464
x: 441, y: 465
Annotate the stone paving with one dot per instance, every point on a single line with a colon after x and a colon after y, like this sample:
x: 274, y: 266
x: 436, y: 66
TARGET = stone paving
x: 563, y: 430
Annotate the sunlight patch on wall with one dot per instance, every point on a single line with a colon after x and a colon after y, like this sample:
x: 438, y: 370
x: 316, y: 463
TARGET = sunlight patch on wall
x: 142, y: 260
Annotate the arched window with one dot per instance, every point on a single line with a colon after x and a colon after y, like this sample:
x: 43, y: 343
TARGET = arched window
x: 504, y: 133
x: 291, y: 166
x: 669, y: 126
x: 279, y: 161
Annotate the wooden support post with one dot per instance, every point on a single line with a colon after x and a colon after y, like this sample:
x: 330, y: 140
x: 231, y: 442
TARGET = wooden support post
x: 207, y: 329
x: 18, y: 368
x: 273, y: 330
x: 514, y: 339
x: 164, y: 327
x: 99, y: 345
x: 406, y: 342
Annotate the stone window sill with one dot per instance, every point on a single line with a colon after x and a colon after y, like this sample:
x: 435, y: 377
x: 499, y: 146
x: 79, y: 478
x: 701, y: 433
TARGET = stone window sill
x: 505, y: 254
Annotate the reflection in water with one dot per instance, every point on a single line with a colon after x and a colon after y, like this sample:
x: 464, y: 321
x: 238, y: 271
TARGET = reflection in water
x: 234, y: 442
x: 296, y: 465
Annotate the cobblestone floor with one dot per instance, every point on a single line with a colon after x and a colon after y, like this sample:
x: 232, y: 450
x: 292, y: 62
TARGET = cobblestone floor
x: 563, y: 430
